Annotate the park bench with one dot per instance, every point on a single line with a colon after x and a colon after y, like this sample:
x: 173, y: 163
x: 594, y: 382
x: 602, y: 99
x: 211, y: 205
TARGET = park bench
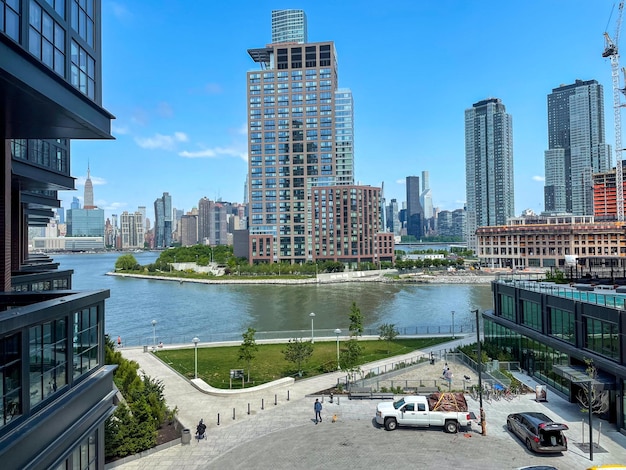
x: 421, y: 390
x: 367, y: 393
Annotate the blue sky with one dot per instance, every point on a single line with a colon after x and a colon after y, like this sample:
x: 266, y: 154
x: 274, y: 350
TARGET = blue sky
x: 174, y: 75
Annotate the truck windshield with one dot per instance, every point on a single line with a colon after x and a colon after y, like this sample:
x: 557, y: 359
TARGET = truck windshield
x: 398, y: 404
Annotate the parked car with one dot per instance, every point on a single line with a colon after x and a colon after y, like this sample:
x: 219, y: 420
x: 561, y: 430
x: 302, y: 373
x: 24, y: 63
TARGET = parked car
x: 538, y: 432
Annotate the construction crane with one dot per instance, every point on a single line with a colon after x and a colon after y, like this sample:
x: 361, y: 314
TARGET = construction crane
x: 611, y: 50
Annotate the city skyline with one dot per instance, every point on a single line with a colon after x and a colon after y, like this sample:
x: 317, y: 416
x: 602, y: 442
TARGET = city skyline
x: 180, y: 128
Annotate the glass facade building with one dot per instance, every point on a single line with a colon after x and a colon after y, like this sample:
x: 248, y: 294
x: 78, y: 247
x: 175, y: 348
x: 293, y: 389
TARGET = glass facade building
x: 577, y: 147
x: 556, y: 331
x: 55, y: 390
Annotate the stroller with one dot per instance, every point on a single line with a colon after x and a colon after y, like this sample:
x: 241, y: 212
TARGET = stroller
x: 201, y: 430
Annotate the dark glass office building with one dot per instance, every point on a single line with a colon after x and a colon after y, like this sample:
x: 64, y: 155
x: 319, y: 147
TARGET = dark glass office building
x: 554, y: 330
x: 55, y: 391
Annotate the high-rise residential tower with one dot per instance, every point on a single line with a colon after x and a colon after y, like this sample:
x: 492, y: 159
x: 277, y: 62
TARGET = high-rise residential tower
x: 489, y: 181
x: 300, y: 131
x: 163, y: 226
x: 426, y: 196
x: 289, y: 26
x: 414, y: 210
x: 577, y: 147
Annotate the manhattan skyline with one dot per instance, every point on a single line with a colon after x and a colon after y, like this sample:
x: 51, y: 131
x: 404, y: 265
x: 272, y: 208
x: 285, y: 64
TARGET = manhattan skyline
x: 413, y: 68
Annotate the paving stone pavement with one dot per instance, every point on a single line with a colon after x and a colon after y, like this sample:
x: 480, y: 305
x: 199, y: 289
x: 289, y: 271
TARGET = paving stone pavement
x: 284, y: 435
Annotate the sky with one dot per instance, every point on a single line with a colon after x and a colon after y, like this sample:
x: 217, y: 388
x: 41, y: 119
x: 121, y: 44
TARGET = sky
x: 174, y: 76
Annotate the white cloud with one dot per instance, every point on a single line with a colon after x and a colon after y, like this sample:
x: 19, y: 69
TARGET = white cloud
x: 216, y: 152
x: 119, y: 130
x: 243, y: 129
x: 160, y: 141
x: 95, y: 180
x: 401, y: 181
x: 539, y: 178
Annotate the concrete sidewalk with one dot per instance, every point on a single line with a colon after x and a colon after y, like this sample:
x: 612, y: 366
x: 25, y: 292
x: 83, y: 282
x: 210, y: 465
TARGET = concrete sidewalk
x: 278, y: 432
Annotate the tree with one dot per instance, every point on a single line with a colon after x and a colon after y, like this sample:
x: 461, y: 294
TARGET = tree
x: 126, y: 263
x: 298, y: 352
x: 387, y: 332
x: 350, y: 355
x: 599, y: 399
x: 356, y: 320
x: 248, y: 348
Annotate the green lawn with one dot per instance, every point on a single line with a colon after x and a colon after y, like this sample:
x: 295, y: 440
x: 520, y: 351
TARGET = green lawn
x: 215, y: 363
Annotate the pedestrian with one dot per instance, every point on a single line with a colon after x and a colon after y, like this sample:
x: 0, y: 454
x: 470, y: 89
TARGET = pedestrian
x: 317, y: 406
x: 119, y: 341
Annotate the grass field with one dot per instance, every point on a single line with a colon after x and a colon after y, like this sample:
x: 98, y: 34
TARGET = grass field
x: 215, y: 363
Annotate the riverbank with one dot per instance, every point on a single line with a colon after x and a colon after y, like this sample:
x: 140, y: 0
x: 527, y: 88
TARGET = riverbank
x: 391, y: 276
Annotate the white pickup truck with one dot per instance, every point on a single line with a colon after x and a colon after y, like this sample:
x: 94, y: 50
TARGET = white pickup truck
x: 415, y: 410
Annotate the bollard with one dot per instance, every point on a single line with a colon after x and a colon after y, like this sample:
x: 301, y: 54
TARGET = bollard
x: 287, y: 395
x: 337, y: 399
x: 331, y: 397
x: 275, y: 399
x: 233, y: 413
x: 262, y: 402
x: 248, y: 408
x: 218, y: 419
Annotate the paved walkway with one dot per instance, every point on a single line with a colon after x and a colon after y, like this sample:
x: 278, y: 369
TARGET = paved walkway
x: 279, y: 432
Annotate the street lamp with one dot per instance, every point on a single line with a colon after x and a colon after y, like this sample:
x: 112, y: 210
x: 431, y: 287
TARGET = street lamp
x: 338, y: 332
x: 154, y: 322
x: 453, y: 337
x: 312, y: 315
x: 483, y: 424
x: 195, y: 345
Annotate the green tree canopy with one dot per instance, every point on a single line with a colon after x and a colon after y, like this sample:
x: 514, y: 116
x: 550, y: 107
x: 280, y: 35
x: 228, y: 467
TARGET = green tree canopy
x: 127, y: 262
x: 356, y: 320
x: 387, y: 332
x: 248, y: 348
x: 298, y: 352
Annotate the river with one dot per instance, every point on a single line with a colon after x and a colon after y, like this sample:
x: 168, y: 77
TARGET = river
x: 222, y: 312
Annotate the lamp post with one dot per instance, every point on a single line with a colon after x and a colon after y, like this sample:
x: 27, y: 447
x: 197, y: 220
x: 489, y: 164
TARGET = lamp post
x: 312, y: 315
x: 483, y: 424
x: 338, y: 332
x: 154, y: 322
x: 195, y: 345
x: 453, y: 337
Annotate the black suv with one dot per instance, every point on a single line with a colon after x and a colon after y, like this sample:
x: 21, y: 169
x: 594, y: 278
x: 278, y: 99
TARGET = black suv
x: 538, y: 432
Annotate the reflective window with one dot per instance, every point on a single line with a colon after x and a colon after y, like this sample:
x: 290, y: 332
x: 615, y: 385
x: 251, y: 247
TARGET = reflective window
x: 46, y: 39
x: 82, y: 19
x: 10, y: 18
x: 83, y: 71
x: 85, y: 341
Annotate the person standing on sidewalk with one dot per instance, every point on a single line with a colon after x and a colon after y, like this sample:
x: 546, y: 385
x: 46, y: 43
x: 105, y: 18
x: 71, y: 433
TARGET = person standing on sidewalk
x: 317, y: 406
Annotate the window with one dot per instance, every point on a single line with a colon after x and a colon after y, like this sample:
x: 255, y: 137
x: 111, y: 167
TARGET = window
x: 85, y: 341
x: 46, y: 39
x: 83, y: 71
x: 82, y: 19
x: 10, y: 378
x: 48, y: 359
x: 602, y: 337
x: 531, y: 315
x: 562, y: 325
x: 10, y: 18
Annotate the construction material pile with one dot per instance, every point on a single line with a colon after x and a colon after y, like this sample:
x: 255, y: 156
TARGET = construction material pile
x: 447, y: 401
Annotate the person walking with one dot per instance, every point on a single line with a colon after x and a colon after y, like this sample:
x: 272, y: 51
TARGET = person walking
x: 317, y: 406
